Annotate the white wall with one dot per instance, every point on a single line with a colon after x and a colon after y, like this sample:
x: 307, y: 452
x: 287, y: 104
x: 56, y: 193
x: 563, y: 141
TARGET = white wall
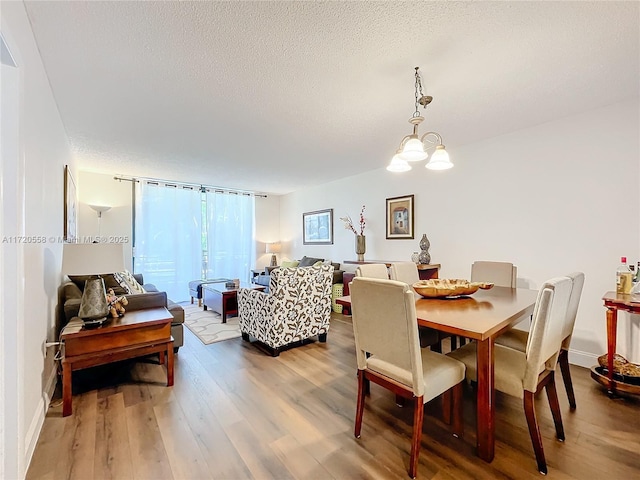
x: 115, y: 225
x: 558, y: 197
x: 41, y: 152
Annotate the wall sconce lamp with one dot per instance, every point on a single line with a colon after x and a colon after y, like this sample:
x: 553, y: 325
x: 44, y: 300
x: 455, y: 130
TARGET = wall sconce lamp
x: 274, y: 248
x: 414, y: 148
x: 100, y: 209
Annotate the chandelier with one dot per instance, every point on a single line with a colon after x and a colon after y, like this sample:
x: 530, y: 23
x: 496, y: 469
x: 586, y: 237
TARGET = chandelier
x: 414, y: 148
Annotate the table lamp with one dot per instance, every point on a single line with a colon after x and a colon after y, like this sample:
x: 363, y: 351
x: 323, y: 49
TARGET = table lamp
x: 273, y: 248
x: 93, y: 259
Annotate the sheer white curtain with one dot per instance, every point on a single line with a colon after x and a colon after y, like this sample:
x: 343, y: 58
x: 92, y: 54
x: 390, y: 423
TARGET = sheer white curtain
x: 230, y: 235
x: 168, y: 237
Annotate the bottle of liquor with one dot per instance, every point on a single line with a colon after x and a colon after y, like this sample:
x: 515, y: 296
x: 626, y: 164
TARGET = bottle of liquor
x: 624, y: 277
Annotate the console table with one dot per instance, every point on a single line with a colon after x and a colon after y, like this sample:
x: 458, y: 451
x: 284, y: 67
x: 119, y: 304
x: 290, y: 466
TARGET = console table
x: 614, y: 302
x: 137, y: 333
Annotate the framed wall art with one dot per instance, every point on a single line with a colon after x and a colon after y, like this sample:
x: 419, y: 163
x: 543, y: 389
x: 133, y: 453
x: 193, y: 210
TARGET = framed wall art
x: 70, y: 207
x: 400, y: 217
x: 317, y: 227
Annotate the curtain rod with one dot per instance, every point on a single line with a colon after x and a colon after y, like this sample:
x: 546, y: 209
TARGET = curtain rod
x: 189, y: 186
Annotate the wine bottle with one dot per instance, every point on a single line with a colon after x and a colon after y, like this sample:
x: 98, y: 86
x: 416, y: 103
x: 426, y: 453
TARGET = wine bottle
x: 624, y: 277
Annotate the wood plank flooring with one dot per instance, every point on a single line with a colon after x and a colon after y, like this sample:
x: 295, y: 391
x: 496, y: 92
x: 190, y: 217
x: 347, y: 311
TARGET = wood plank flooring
x: 236, y: 413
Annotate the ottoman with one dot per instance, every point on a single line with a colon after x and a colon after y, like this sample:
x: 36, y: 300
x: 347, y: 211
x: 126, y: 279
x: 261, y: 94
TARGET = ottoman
x: 195, y: 288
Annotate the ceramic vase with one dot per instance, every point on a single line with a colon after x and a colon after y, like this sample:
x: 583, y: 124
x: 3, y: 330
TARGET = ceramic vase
x: 361, y: 247
x: 425, y: 256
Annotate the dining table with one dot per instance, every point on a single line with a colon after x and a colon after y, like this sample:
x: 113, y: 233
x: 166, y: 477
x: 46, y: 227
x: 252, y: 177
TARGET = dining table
x: 482, y: 317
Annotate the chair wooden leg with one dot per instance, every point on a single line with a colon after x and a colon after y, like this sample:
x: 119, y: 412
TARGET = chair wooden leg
x: 245, y: 336
x: 191, y: 300
x: 552, y: 395
x: 563, y: 360
x: 363, y: 385
x: 456, y: 410
x: 447, y: 405
x: 418, y: 417
x: 534, y: 431
x: 322, y: 338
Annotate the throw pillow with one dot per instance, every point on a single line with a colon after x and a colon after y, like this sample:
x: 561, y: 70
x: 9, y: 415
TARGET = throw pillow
x: 133, y: 284
x: 110, y: 281
x: 308, y: 261
x: 293, y: 263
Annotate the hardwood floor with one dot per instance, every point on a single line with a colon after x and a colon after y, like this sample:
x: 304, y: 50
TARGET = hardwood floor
x: 236, y: 413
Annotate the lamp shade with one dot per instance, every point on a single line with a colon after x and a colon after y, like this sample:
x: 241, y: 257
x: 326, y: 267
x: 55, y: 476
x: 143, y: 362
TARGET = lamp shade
x: 273, y: 247
x: 92, y: 258
x: 439, y: 160
x: 413, y: 151
x: 398, y: 164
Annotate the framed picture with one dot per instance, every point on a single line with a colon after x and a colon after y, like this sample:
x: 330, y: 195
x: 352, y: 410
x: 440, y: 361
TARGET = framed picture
x: 70, y: 207
x: 400, y: 217
x: 317, y: 227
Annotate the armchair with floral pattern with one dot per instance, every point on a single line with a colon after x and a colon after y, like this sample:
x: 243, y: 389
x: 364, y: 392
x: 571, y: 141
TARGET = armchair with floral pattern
x: 297, y: 307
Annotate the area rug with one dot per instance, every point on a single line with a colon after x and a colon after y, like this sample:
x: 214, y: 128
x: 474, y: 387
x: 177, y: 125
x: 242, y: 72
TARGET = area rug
x: 208, y: 326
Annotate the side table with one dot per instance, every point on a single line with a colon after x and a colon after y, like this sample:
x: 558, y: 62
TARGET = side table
x: 224, y: 300
x: 137, y: 333
x: 614, y: 302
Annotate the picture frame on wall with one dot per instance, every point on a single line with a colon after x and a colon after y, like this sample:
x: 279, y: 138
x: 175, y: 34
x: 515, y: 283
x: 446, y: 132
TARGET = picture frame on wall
x: 70, y: 207
x: 317, y: 227
x: 400, y: 218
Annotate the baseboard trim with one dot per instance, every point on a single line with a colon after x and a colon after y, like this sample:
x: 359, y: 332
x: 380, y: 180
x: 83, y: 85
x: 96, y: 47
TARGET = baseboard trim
x: 31, y: 438
x: 582, y: 359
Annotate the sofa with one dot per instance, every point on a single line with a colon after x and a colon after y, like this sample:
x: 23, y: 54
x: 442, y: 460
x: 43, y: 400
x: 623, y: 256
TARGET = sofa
x: 264, y: 278
x: 151, y: 298
x: 297, y: 307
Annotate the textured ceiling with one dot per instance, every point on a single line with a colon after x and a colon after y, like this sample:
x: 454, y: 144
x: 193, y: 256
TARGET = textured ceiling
x: 275, y: 96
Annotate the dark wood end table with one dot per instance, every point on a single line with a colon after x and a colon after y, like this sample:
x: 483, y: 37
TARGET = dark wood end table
x: 224, y: 300
x: 137, y: 333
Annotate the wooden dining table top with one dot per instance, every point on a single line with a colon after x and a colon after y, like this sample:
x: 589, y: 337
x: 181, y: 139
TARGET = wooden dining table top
x: 482, y: 315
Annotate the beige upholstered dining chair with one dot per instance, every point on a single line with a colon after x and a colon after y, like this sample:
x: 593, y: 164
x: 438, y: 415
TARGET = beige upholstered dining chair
x: 373, y: 270
x: 502, y: 274
x: 388, y: 353
x: 517, y: 339
x: 407, y: 272
x: 523, y: 374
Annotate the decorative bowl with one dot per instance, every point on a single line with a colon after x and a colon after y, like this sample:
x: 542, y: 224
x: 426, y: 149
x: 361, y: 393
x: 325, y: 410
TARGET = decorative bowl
x: 444, y: 287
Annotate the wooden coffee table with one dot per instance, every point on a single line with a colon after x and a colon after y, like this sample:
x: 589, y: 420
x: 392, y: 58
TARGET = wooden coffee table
x: 137, y: 333
x: 224, y: 300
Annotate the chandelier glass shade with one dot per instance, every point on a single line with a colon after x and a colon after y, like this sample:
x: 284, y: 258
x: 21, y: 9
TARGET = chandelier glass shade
x: 415, y: 148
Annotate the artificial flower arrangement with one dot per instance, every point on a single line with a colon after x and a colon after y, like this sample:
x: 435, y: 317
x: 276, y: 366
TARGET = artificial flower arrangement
x: 348, y: 223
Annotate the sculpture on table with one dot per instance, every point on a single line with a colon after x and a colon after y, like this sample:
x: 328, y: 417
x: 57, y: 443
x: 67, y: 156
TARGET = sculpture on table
x: 424, y: 257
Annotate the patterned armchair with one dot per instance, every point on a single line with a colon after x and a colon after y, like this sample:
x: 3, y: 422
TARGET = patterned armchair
x: 298, y: 306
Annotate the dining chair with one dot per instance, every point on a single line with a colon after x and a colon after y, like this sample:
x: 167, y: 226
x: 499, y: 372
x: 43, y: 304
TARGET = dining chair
x: 407, y: 272
x: 524, y: 374
x: 373, y: 270
x: 517, y: 339
x: 388, y: 353
x: 502, y: 274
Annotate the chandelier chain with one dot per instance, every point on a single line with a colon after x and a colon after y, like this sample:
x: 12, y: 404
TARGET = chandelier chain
x: 418, y: 94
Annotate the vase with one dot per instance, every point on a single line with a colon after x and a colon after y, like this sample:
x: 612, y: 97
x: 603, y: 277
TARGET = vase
x: 361, y: 247
x: 424, y: 257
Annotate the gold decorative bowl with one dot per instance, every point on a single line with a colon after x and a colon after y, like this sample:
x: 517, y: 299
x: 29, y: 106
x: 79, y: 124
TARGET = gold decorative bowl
x: 444, y: 287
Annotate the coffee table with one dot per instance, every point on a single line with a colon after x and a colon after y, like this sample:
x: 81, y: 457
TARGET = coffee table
x: 224, y: 300
x: 137, y: 333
